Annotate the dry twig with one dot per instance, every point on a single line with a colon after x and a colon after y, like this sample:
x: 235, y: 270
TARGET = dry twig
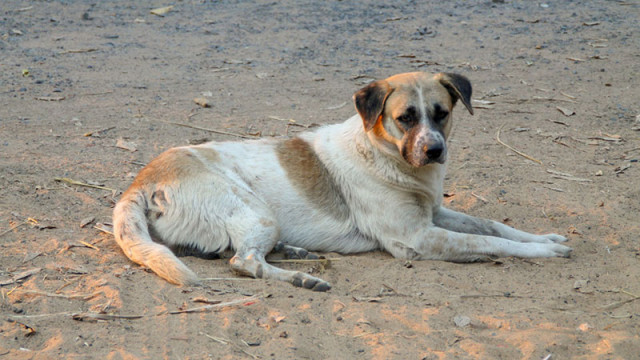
x: 215, y: 307
x: 514, y: 149
x: 74, y: 182
x: 211, y: 130
x: 15, y: 278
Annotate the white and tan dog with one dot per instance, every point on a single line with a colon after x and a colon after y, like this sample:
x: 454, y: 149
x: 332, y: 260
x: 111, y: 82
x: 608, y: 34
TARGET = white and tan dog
x: 372, y: 182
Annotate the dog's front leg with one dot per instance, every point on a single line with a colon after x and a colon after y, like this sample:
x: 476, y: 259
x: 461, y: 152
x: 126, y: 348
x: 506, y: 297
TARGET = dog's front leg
x: 433, y: 243
x: 459, y: 222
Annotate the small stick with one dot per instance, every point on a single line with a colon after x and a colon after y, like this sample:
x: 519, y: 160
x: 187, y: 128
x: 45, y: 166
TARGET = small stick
x: 211, y: 130
x: 104, y: 230
x: 214, y: 307
x: 70, y: 296
x: 220, y: 340
x: 98, y: 93
x: 41, y: 315
x: 479, y: 198
x: 88, y: 245
x: 617, y: 304
x: 74, y: 182
x: 514, y: 149
x: 13, y: 228
x: 19, y: 276
x: 96, y: 316
x: 90, y: 133
x: 226, y: 279
x: 79, y: 51
x: 303, y: 260
x: 290, y: 122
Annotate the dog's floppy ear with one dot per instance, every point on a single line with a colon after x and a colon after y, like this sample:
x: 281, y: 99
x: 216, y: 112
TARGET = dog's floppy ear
x: 370, y: 101
x: 459, y: 88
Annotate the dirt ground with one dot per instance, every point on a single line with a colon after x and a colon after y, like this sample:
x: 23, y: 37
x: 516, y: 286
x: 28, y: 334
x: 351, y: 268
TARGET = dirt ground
x: 92, y: 90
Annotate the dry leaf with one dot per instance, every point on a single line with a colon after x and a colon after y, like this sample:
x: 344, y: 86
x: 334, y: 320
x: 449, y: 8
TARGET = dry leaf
x: 86, y: 221
x: 594, y: 23
x: 162, y: 11
x: 270, y: 322
x: 575, y: 59
x: 122, y: 144
x: 202, y: 102
x: 565, y: 111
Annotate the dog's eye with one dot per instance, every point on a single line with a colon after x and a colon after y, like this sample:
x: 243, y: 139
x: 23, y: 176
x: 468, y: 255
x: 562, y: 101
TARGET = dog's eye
x: 440, y: 115
x: 404, y: 118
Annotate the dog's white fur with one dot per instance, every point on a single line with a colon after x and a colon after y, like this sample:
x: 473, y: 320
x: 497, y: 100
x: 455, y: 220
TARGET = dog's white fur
x: 341, y: 188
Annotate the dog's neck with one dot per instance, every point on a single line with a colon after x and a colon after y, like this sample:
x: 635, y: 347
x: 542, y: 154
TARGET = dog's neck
x: 386, y: 165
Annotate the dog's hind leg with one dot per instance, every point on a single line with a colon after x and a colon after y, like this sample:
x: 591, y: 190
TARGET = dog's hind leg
x: 254, y: 237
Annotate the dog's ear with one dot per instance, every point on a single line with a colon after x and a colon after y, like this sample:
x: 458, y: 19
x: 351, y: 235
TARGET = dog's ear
x: 459, y: 88
x: 370, y: 102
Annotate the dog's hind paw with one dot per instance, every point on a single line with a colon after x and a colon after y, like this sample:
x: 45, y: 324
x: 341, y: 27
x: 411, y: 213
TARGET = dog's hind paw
x: 555, y: 238
x: 292, y: 252
x: 309, y: 282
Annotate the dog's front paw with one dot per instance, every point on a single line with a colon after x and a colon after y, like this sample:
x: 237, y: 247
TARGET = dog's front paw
x: 560, y: 250
x: 555, y: 238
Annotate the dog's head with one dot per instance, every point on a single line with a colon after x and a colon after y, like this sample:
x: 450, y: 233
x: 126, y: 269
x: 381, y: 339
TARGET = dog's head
x: 412, y: 113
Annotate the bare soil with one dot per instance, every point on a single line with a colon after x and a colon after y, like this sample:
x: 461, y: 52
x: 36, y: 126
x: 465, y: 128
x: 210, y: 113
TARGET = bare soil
x: 92, y: 90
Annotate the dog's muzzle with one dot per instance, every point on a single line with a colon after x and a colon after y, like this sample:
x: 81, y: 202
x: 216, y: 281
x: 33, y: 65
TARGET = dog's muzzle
x: 420, y: 149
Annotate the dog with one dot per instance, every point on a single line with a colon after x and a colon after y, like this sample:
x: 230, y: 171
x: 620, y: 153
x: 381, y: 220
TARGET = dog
x: 372, y: 182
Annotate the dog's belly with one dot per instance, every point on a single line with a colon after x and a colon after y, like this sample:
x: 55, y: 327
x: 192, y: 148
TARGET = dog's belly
x: 304, y: 220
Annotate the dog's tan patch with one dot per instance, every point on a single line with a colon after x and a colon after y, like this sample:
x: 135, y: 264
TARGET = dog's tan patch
x: 171, y: 166
x: 208, y: 154
x: 310, y: 176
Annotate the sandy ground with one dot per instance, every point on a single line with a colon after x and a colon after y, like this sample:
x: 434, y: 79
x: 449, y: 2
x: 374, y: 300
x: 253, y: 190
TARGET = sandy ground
x: 91, y: 91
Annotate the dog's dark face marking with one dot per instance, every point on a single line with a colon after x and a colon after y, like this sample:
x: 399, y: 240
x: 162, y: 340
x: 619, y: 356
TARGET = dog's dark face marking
x: 412, y: 111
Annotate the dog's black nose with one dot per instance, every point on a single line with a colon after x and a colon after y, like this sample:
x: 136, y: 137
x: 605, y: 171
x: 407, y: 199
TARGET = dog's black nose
x: 435, y: 151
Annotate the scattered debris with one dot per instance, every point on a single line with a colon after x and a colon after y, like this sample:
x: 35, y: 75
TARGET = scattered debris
x: 204, y: 300
x: 86, y: 221
x: 270, y: 322
x: 65, y: 296
x: 621, y: 169
x: 95, y: 317
x: 79, y: 51
x: 126, y: 145
x: 461, y: 320
x: 482, y: 104
x: 610, y: 138
x: 565, y: 111
x: 202, y: 102
x: 162, y: 11
x: 564, y: 176
x: 26, y: 329
x: 97, y: 133
x: 78, y: 183
x: 367, y: 299
x: 479, y: 198
x: 584, y: 327
x: 211, y: 130
x: 13, y: 278
x: 219, y: 306
x: 337, y: 106
x: 514, y: 149
x: 50, y: 98
x: 105, y: 228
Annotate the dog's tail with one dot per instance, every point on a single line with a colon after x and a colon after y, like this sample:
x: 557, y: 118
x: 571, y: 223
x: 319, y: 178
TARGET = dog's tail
x: 131, y: 231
